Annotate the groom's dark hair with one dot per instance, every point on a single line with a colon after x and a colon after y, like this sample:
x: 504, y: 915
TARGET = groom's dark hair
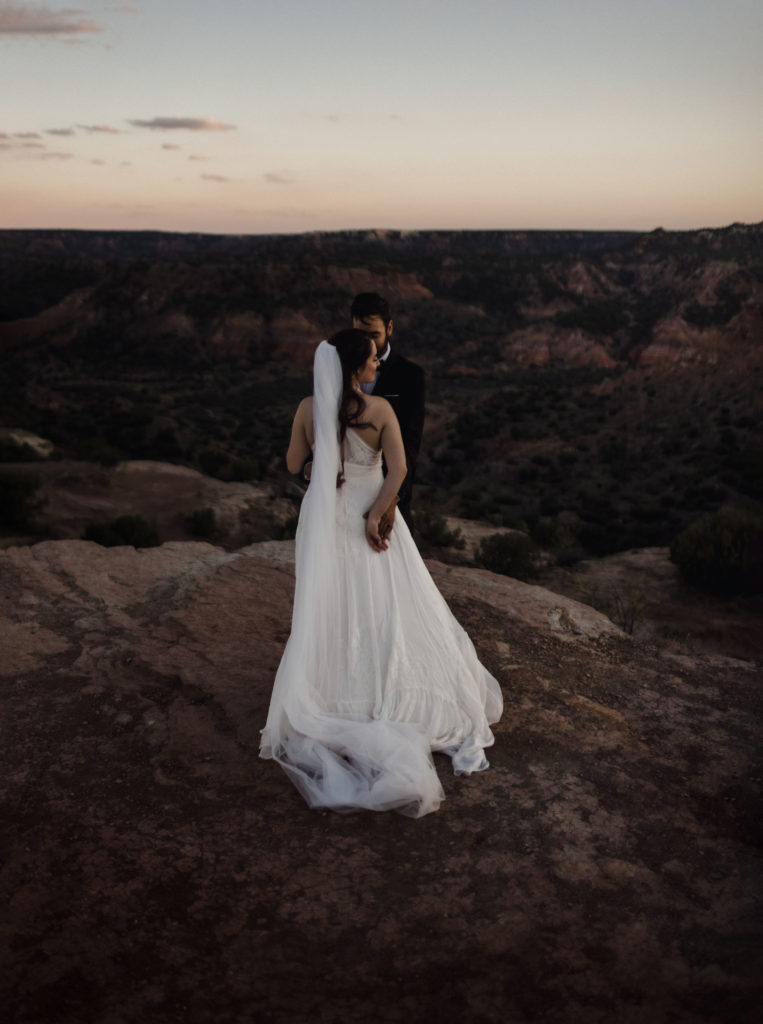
x: 369, y: 304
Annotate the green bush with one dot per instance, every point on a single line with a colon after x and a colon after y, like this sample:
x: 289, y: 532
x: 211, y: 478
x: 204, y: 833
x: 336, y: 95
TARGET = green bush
x: 125, y: 530
x: 722, y: 553
x: 289, y: 528
x: 245, y: 469
x: 432, y: 528
x: 510, y: 554
x: 18, y: 498
x: 201, y: 522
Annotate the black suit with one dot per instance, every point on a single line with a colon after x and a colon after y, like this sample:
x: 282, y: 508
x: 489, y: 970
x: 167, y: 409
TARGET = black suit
x: 402, y: 383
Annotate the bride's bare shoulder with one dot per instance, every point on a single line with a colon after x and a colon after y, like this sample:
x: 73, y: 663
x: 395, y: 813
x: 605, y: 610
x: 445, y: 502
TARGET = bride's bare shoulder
x: 376, y: 403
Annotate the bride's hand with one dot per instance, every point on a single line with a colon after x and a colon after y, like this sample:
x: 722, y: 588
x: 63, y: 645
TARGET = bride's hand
x: 373, y: 534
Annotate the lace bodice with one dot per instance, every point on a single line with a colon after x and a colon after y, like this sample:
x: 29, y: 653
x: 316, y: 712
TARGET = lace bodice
x: 358, y: 453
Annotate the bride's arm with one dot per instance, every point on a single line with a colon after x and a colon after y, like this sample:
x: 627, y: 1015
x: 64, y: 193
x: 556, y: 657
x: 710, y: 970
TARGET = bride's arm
x: 394, y: 457
x: 299, y: 445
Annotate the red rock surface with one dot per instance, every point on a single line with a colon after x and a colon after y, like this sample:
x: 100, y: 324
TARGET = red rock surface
x: 155, y: 870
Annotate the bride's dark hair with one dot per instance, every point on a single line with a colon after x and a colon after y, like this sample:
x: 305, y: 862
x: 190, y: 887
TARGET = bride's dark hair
x: 354, y: 348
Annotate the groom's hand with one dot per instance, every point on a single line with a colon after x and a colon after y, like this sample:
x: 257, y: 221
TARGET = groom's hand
x: 387, y: 521
x: 373, y: 534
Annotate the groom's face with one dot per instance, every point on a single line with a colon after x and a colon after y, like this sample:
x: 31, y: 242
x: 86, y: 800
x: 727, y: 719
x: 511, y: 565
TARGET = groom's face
x: 377, y: 329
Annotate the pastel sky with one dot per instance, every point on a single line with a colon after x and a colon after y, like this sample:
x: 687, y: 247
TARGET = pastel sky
x: 249, y: 116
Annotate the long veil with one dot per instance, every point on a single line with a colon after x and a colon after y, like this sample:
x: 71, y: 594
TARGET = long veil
x: 335, y: 761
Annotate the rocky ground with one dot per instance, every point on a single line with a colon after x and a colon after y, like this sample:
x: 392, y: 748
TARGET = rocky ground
x: 74, y: 494
x: 605, y: 868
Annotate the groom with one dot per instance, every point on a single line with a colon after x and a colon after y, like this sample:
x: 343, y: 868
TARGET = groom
x: 398, y: 380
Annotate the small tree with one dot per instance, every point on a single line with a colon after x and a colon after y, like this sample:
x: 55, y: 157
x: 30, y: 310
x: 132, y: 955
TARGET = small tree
x: 432, y: 528
x: 510, y: 554
x: 722, y: 553
x: 202, y: 522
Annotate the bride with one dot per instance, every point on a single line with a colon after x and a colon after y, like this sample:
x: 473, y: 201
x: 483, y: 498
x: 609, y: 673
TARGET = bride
x: 377, y: 673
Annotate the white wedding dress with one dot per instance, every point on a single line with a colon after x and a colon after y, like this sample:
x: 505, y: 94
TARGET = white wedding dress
x: 377, y: 672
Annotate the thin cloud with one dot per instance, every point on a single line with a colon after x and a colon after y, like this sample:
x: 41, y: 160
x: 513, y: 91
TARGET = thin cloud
x: 278, y: 179
x: 51, y: 156
x: 63, y: 132
x: 37, y: 20
x: 377, y: 116
x: 214, y: 177
x: 33, y: 145
x: 27, y: 135
x: 197, y: 156
x: 170, y: 145
x: 98, y: 163
x: 99, y: 129
x: 190, y: 124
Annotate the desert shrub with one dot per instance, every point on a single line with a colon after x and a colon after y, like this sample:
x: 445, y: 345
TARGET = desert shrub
x: 548, y: 533
x: 211, y: 461
x: 289, y: 528
x: 201, y: 523
x: 510, y: 554
x: 744, y: 470
x: 95, y: 448
x: 15, y: 451
x: 18, y: 498
x: 132, y: 530
x: 432, y: 528
x: 245, y: 469
x: 625, y: 606
x: 722, y: 553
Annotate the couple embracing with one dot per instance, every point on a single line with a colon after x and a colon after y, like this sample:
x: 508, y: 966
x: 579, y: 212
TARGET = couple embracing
x: 377, y: 673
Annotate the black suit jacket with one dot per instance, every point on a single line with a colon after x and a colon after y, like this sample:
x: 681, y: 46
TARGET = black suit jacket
x: 403, y: 384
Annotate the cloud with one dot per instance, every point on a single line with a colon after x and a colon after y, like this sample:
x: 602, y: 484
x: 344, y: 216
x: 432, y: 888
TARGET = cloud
x: 60, y: 131
x: 98, y: 163
x: 375, y: 116
x: 101, y: 129
x: 170, y: 145
x: 27, y: 135
x: 214, y: 177
x: 52, y: 156
x: 278, y: 179
x: 36, y: 20
x: 191, y: 124
x: 33, y: 145
x: 197, y: 156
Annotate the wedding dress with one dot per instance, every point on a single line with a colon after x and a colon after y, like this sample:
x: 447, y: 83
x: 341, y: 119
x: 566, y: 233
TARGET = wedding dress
x: 377, y: 672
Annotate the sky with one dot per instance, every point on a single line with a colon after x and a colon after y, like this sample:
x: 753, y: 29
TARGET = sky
x: 282, y: 116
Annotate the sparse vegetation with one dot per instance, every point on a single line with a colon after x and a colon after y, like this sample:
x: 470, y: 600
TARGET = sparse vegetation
x: 431, y: 527
x: 623, y: 456
x: 510, y: 554
x: 722, y: 553
x: 19, y: 500
x: 124, y: 530
x: 202, y: 523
